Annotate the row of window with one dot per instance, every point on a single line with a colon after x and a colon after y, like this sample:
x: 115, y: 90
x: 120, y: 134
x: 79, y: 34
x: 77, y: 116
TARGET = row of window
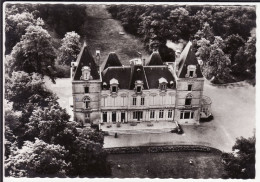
x: 138, y: 88
x: 139, y: 115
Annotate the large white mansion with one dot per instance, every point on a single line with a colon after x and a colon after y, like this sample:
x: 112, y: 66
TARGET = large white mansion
x: 141, y: 92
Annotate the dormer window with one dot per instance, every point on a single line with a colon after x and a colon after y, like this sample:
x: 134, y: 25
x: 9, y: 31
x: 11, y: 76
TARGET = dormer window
x: 163, y: 84
x: 104, y: 85
x: 86, y: 73
x: 139, y: 86
x: 114, y: 85
x: 191, y: 71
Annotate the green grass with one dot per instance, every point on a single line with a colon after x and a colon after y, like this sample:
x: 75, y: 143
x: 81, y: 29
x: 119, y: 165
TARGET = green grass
x: 166, y: 165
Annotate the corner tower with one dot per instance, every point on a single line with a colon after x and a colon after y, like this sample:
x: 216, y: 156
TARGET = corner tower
x: 85, y: 88
x: 189, y: 87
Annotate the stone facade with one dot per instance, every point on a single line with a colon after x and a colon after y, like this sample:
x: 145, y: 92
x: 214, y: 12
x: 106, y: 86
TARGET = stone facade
x: 137, y: 93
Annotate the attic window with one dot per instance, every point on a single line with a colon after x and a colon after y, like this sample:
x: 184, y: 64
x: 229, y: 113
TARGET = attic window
x: 114, y: 85
x: 163, y: 84
x: 191, y: 71
x: 139, y: 86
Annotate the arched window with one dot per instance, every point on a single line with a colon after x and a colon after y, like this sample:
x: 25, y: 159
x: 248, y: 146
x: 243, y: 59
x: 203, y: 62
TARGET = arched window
x: 188, y: 100
x: 86, y: 101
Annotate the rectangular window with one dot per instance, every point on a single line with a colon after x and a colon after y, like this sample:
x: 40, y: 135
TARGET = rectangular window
x: 138, y: 89
x: 152, y: 114
x: 86, y: 90
x: 191, y: 115
x: 169, y: 113
x: 86, y: 104
x: 134, y: 115
x: 114, y: 89
x: 142, y: 101
x: 122, y: 116
x: 161, y: 114
x: 104, y: 116
x: 188, y: 101
x: 189, y: 87
x: 186, y: 115
x: 113, y: 116
x: 191, y: 73
x: 134, y: 101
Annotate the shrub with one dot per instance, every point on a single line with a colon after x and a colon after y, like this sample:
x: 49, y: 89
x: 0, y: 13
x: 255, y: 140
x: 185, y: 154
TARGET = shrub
x: 118, y: 125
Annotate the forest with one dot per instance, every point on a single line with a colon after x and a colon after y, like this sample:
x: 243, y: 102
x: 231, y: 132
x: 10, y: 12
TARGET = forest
x: 223, y: 36
x: 40, y: 139
x: 42, y: 40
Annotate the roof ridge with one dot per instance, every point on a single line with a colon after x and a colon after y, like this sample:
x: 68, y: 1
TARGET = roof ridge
x: 146, y: 78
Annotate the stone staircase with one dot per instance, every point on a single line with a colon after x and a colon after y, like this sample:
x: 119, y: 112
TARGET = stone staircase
x: 140, y: 131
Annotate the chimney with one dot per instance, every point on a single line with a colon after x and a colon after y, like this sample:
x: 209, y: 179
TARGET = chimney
x: 177, y: 59
x: 143, y: 62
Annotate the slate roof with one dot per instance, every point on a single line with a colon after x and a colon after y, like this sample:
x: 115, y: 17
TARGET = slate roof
x: 112, y: 60
x: 154, y: 73
x: 86, y: 59
x: 155, y: 59
x: 122, y: 74
x: 127, y: 76
x: 137, y: 73
x: 188, y: 57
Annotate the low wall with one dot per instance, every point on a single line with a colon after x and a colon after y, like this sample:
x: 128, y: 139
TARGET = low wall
x: 161, y: 149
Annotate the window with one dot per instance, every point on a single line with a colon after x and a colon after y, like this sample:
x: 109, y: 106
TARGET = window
x: 187, y: 115
x: 86, y: 90
x: 134, y: 101
x: 191, y: 73
x: 161, y: 114
x: 163, y: 86
x: 113, y: 116
x: 152, y: 114
x: 134, y: 115
x: 138, y: 89
x: 188, y: 101
x: 122, y: 116
x: 142, y: 101
x: 190, y: 87
x: 169, y: 113
x: 86, y: 102
x: 114, y: 89
x: 104, y: 116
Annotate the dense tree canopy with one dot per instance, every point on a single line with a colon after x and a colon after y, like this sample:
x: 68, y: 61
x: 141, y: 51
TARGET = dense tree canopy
x: 234, y: 24
x: 241, y: 163
x: 70, y: 48
x: 34, y: 53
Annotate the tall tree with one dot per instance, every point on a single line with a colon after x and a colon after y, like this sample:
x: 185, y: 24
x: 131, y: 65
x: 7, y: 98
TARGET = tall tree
x: 34, y: 53
x: 70, y: 48
x: 215, y: 63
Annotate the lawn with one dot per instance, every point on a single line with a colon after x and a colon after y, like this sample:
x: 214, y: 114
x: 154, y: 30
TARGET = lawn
x: 166, y: 165
x: 102, y: 32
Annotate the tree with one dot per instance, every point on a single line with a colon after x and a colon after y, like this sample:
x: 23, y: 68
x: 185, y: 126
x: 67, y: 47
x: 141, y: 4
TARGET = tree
x: 37, y: 159
x: 34, y: 53
x: 16, y: 24
x: 215, y: 63
x: 88, y: 159
x: 241, y: 163
x: 70, y: 48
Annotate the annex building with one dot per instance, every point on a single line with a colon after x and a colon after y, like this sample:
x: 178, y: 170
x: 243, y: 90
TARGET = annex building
x: 144, y: 91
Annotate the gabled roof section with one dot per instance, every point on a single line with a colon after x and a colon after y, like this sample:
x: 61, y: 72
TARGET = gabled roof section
x: 155, y: 73
x: 137, y: 73
x: 86, y: 59
x: 121, y: 74
x: 112, y: 60
x: 188, y: 57
x: 155, y: 59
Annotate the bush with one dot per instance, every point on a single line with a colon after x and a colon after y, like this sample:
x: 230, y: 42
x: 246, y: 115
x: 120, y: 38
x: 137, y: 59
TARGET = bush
x: 62, y: 71
x: 133, y: 124
x: 118, y: 125
x: 149, y: 124
x: 211, y: 117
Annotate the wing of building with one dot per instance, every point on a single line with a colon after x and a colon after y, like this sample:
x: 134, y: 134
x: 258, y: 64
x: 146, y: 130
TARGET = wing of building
x: 139, y: 92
